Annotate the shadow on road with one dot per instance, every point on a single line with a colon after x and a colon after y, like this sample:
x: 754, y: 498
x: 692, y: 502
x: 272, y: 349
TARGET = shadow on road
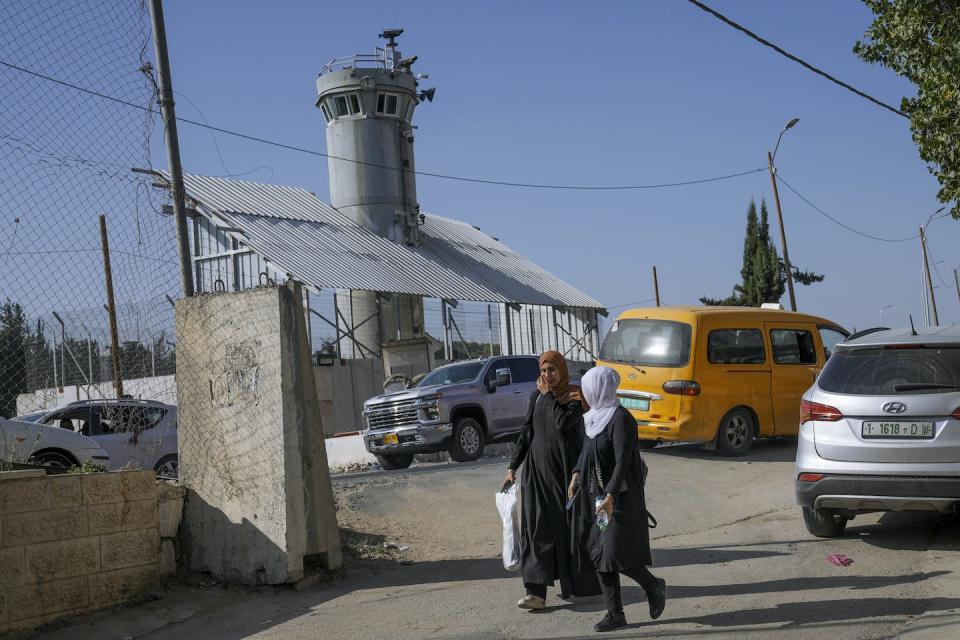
x: 910, y: 531
x: 765, y: 450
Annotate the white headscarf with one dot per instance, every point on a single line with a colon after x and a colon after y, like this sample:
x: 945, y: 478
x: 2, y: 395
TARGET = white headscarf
x: 599, y: 387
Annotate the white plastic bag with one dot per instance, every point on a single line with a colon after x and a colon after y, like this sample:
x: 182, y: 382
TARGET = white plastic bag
x: 506, y: 503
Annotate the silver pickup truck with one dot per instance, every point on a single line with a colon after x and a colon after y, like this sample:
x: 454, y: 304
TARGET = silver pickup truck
x: 458, y: 408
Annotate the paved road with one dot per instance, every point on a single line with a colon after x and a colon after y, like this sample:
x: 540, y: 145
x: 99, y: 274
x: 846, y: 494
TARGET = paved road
x: 731, y: 545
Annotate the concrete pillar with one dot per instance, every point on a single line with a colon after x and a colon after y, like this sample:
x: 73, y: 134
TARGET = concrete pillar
x: 252, y: 458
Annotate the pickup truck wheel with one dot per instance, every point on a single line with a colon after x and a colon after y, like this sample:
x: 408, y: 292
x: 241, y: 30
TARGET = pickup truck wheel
x: 468, y: 440
x: 735, y: 433
x: 392, y: 463
x: 824, y: 523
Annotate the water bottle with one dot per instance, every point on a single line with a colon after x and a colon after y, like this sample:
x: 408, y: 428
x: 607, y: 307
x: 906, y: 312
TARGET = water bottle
x: 602, y: 519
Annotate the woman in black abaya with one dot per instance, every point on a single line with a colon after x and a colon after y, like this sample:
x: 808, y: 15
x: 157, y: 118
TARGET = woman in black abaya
x: 549, y: 445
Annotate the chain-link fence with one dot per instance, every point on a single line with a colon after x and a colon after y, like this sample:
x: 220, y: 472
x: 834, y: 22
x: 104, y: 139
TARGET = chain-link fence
x: 66, y: 156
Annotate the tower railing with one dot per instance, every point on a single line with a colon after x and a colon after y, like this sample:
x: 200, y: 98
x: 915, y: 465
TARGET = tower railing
x: 356, y: 61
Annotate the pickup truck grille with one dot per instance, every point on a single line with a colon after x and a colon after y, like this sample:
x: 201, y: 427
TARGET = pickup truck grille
x: 391, y: 414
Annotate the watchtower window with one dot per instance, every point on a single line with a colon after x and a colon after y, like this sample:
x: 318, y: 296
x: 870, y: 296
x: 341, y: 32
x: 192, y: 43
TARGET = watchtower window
x: 341, y: 104
x: 354, y: 104
x: 326, y: 112
x: 388, y: 104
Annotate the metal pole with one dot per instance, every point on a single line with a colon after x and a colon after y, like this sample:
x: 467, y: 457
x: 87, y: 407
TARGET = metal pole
x: 63, y: 349
x: 656, y: 285
x: 90, y: 359
x: 165, y: 99
x: 111, y: 309
x: 926, y: 266
x: 956, y: 278
x: 490, y: 327
x: 783, y: 233
x: 508, y: 311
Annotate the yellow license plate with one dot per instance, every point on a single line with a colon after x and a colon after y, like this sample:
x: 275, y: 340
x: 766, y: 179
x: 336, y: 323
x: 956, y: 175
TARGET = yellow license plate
x: 390, y: 438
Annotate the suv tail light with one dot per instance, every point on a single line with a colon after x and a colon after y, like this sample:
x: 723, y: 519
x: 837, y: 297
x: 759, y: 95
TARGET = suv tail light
x: 820, y: 412
x: 956, y: 414
x: 682, y: 387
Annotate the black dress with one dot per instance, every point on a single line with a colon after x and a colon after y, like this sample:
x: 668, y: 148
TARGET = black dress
x: 626, y: 542
x: 550, y: 445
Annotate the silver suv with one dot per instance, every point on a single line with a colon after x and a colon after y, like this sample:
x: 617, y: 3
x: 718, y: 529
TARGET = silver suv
x: 880, y: 428
x: 457, y: 408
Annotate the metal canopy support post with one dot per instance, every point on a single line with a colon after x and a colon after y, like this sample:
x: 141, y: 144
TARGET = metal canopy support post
x: 165, y: 98
x: 508, y: 311
x: 336, y: 325
x: 456, y: 328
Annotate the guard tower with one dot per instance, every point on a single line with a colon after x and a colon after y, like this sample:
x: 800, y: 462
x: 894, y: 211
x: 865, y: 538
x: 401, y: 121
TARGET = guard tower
x: 368, y: 103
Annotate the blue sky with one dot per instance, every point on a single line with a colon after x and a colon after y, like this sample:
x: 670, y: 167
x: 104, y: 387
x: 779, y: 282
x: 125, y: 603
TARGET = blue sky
x: 612, y: 93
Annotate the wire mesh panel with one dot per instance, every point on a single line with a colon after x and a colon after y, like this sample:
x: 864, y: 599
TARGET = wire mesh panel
x: 65, y: 159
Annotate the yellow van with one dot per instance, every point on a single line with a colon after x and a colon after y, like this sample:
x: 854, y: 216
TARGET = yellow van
x: 717, y: 375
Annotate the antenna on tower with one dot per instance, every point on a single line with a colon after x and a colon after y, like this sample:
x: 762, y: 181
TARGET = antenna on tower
x: 391, y: 35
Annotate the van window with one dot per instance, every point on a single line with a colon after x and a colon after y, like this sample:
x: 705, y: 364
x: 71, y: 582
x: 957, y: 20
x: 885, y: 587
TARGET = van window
x: 831, y: 338
x: 793, y: 346
x: 736, y: 346
x: 654, y: 343
x: 882, y: 371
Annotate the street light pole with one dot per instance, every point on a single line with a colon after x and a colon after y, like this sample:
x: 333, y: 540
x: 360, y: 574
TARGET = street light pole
x: 926, y: 268
x: 886, y: 306
x: 956, y: 278
x: 776, y: 201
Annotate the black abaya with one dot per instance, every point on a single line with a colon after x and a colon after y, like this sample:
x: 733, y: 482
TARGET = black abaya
x: 550, y: 446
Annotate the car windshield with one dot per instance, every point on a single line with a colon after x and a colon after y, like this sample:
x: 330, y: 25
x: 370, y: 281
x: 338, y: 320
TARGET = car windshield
x: 654, y: 343
x: 30, y: 417
x: 452, y: 374
x: 892, y: 370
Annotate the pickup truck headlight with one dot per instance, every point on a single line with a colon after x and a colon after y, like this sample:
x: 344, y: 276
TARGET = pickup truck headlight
x: 430, y: 407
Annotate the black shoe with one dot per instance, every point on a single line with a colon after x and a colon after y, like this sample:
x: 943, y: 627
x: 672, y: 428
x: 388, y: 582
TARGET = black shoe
x: 610, y: 622
x: 657, y: 599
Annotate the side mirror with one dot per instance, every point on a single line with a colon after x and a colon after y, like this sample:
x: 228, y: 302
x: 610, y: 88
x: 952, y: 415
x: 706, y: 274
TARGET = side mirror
x: 503, y: 377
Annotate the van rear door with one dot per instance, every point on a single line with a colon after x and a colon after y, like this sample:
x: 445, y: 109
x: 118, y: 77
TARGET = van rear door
x: 794, y: 365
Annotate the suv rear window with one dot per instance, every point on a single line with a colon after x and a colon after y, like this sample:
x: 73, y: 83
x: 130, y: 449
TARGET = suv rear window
x: 655, y: 343
x: 881, y: 371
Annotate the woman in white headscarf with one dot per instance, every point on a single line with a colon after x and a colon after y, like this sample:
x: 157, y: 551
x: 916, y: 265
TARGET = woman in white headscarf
x: 608, y: 480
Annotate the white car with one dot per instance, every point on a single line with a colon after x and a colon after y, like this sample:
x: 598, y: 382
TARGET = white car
x: 31, y: 442
x: 137, y: 434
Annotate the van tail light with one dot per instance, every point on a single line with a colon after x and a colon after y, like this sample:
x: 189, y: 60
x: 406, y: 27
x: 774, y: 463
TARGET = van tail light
x: 820, y: 412
x: 682, y: 387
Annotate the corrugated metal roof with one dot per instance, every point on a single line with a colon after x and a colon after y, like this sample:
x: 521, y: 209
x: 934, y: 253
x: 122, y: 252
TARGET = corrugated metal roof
x: 307, y: 238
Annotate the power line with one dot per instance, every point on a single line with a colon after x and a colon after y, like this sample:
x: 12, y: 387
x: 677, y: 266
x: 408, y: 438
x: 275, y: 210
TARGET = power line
x: 835, y: 221
x: 630, y: 304
x: 799, y: 61
x: 313, y: 152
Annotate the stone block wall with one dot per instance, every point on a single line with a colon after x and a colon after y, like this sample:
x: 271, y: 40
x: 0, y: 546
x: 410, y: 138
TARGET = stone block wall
x: 71, y: 544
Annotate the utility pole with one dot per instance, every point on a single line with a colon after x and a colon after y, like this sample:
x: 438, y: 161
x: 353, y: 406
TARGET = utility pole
x: 783, y: 233
x: 926, y: 268
x: 165, y: 99
x: 656, y: 285
x: 111, y: 309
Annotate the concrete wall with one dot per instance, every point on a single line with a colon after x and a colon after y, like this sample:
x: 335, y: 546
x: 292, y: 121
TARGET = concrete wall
x: 71, y: 544
x: 259, y: 499
x: 161, y: 388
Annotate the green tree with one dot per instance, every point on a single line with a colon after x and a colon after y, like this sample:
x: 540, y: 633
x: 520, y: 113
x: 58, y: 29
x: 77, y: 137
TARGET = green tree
x: 917, y: 39
x: 763, y: 277
x: 13, y: 358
